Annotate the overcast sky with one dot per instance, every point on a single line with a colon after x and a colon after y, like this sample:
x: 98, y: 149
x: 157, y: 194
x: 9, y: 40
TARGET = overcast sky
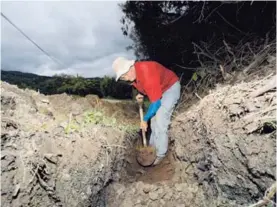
x: 85, y: 36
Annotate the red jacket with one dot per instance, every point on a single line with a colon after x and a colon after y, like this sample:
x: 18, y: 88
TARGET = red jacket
x: 153, y: 79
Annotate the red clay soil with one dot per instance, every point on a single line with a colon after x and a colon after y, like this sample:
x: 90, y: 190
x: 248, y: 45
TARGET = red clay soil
x: 163, y: 171
x: 145, y: 155
x: 152, y: 174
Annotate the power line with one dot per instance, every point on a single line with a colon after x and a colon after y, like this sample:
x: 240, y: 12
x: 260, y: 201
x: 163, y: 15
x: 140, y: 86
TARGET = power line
x: 46, y: 53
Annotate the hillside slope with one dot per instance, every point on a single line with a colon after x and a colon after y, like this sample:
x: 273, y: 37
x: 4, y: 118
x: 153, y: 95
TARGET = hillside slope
x: 74, y: 85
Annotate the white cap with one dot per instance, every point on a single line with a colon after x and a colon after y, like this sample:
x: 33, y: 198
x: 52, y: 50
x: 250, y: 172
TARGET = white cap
x: 121, y: 66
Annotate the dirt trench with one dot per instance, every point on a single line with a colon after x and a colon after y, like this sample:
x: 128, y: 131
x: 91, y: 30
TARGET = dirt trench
x: 222, y: 154
x: 55, y: 153
x: 59, y: 151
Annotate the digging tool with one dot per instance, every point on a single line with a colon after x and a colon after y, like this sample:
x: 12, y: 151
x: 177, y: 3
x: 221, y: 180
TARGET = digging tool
x: 146, y: 155
x: 143, y: 131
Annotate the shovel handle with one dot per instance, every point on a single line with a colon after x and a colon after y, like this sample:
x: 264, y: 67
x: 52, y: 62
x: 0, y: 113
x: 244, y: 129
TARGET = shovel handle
x: 141, y: 119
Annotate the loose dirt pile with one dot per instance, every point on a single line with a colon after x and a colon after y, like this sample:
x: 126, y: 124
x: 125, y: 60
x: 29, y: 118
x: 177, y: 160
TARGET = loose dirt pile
x: 228, y: 141
x: 65, y: 151
x: 57, y: 150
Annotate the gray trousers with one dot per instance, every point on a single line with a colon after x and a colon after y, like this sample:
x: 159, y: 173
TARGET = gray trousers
x: 160, y: 122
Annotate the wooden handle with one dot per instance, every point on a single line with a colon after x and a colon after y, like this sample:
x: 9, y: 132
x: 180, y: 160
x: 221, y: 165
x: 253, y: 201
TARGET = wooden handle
x: 141, y: 119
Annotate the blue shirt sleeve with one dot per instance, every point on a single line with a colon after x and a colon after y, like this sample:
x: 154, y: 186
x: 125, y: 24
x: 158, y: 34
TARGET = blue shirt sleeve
x: 153, y: 108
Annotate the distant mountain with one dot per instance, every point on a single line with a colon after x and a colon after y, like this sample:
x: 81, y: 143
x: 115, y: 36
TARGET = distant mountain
x: 103, y: 87
x: 23, y: 80
x: 19, y: 73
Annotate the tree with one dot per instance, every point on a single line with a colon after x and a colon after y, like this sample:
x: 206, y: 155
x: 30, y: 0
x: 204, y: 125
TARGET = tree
x: 106, y: 86
x: 169, y: 31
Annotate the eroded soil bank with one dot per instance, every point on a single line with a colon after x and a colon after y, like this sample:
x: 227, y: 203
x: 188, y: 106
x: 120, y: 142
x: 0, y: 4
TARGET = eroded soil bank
x: 230, y: 139
x: 62, y: 151
x: 59, y: 150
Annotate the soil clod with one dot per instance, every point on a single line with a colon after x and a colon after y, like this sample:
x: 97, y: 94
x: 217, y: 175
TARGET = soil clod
x: 145, y: 156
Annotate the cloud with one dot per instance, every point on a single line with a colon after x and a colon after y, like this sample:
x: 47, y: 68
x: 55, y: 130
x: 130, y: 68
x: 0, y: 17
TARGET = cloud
x: 85, y: 36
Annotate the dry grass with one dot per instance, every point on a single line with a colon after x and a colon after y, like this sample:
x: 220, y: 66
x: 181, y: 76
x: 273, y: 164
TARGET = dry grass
x: 97, y: 116
x: 227, y: 64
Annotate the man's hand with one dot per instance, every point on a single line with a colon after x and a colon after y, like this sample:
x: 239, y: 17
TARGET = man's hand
x: 143, y: 125
x: 139, y: 98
